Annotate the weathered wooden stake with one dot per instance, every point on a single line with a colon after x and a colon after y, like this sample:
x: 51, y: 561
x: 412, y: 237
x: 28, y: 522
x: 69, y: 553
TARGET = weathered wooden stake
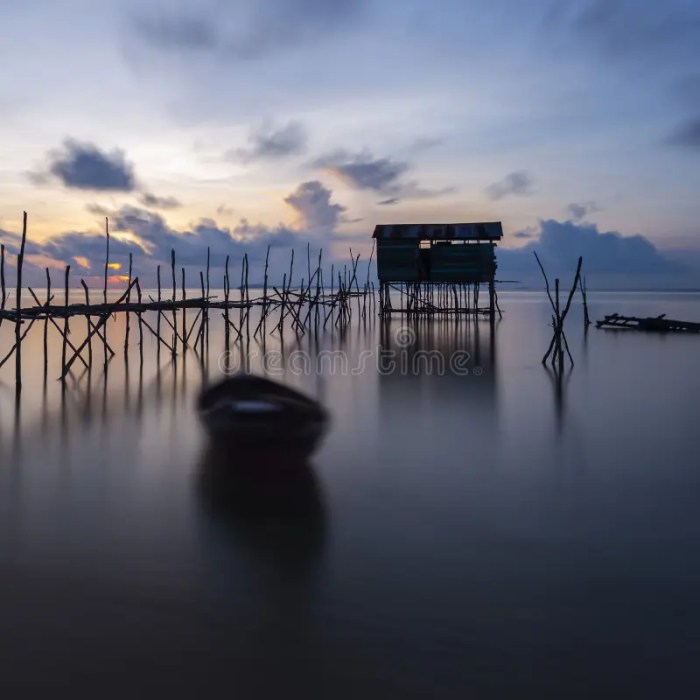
x: 46, y: 324
x: 128, y: 315
x: 65, y: 325
x: 2, y: 280
x: 18, y: 324
x: 87, y: 319
x: 184, y: 313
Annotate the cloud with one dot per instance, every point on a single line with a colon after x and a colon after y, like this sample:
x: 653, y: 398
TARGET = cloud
x: 171, y: 31
x: 687, y: 135
x: 363, y: 171
x: 148, y: 236
x: 84, y: 166
x: 624, y: 28
x: 150, y: 200
x: 270, y: 143
x: 389, y: 202
x: 248, y: 29
x: 312, y: 203
x: 517, y: 183
x: 97, y: 209
x: 579, y: 211
x: 609, y: 258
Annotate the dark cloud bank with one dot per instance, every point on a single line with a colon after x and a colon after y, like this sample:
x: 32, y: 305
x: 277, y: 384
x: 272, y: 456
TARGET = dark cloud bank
x: 84, y: 166
x: 384, y: 176
x: 611, y: 261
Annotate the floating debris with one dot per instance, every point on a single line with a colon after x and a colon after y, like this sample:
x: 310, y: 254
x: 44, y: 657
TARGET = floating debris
x: 656, y: 324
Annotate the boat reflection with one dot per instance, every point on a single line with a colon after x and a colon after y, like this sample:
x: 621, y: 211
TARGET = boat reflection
x: 268, y: 500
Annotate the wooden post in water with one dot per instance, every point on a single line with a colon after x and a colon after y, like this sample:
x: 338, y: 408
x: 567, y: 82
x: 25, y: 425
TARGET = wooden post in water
x: 559, y: 342
x: 87, y: 320
x: 2, y: 280
x: 138, y: 296
x: 227, y: 328
x: 158, y: 316
x: 105, y: 285
x: 247, y: 298
x: 206, y: 325
x: 172, y: 266
x: 202, y: 322
x: 65, y: 326
x: 267, y: 260
x: 184, y: 313
x: 46, y: 324
x: 128, y: 315
x: 584, y: 293
x: 18, y: 323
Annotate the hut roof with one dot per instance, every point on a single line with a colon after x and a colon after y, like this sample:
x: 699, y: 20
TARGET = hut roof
x: 489, y: 231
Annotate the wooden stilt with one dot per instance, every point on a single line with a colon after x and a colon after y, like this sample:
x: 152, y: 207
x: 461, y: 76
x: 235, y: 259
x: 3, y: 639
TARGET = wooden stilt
x: 18, y: 298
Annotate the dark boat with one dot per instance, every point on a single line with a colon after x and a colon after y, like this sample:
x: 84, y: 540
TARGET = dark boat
x: 247, y: 412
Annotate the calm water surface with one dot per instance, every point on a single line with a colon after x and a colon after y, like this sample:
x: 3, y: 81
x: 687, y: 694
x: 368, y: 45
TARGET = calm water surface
x: 486, y: 531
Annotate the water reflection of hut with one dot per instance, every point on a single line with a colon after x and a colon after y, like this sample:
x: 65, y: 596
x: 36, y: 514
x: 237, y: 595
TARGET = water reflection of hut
x: 437, y: 268
x: 438, y: 375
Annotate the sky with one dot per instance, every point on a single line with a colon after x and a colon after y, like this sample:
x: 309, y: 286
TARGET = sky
x: 238, y: 124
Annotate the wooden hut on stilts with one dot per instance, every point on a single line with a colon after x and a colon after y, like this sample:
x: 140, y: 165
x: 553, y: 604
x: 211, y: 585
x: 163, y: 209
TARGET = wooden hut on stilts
x: 437, y: 268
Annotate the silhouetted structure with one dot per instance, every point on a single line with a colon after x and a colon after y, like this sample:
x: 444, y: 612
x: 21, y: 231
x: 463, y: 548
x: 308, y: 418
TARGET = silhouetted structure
x: 437, y: 268
x: 658, y: 324
x: 305, y: 306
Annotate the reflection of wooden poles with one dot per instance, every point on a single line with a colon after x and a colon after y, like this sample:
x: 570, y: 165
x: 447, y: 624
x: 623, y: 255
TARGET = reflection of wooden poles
x: 559, y: 342
x: 22, y: 337
x: 48, y: 318
x: 94, y: 331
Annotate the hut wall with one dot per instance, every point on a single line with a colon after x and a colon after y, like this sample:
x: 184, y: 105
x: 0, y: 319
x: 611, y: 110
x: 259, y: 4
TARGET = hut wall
x: 462, y: 263
x: 397, y: 260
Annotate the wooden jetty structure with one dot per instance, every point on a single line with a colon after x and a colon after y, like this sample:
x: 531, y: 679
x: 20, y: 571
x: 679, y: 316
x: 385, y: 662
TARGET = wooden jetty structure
x: 304, y: 306
x: 437, y: 268
x: 656, y: 324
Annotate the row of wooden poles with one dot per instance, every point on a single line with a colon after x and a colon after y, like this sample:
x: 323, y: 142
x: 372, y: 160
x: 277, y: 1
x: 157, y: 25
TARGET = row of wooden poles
x: 429, y: 298
x: 306, y: 307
